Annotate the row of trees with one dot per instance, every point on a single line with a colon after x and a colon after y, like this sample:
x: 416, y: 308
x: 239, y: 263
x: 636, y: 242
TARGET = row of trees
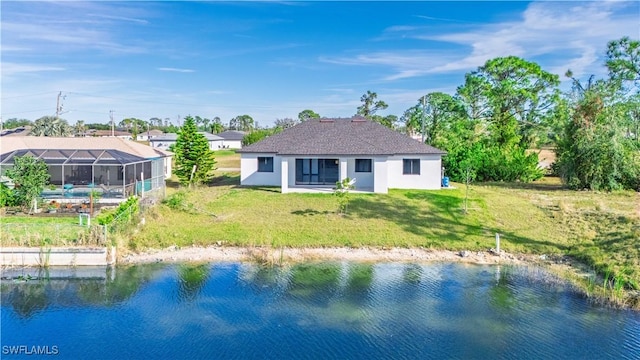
x: 52, y: 126
x: 509, y: 106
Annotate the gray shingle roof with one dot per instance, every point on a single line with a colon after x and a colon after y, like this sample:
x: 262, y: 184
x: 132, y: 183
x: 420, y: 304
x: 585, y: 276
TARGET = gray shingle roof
x: 232, y: 135
x: 340, y: 137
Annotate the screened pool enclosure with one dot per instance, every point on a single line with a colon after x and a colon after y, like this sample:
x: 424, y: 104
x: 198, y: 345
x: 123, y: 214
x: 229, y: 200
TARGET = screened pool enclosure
x: 111, y: 173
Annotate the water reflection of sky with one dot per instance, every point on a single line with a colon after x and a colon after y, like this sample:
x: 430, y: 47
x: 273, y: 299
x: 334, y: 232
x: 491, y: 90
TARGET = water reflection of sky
x: 328, y: 310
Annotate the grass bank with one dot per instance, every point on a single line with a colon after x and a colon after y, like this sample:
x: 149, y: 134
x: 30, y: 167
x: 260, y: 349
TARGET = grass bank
x: 33, y: 230
x: 600, y: 229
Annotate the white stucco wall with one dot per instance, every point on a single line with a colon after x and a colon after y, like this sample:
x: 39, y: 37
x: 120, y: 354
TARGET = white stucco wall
x: 250, y: 176
x: 429, y: 178
x: 232, y: 144
x: 165, y: 144
x: 215, y: 144
x: 167, y: 167
x: 386, y: 172
x: 380, y: 175
x: 364, y: 180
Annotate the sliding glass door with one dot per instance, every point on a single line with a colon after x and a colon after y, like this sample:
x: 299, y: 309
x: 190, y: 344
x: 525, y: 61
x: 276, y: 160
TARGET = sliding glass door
x: 317, y: 171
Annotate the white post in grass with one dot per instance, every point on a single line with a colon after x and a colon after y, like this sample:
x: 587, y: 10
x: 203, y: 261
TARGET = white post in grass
x: 498, y: 243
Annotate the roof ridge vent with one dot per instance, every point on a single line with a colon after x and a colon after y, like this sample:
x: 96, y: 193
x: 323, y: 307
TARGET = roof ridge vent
x: 325, y: 120
x: 358, y: 120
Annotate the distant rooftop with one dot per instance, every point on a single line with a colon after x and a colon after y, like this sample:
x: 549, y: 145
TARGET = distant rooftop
x: 174, y: 137
x: 232, y: 135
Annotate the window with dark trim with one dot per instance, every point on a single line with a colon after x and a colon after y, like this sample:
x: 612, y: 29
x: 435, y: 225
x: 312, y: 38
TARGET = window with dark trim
x: 265, y: 164
x: 411, y: 166
x: 363, y: 165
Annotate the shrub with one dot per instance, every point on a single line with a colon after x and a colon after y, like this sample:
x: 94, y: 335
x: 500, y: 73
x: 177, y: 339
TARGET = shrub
x: 8, y: 196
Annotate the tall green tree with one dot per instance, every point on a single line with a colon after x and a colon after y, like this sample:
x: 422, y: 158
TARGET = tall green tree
x: 594, y: 151
x: 194, y: 159
x: 216, y: 126
x: 441, y: 110
x: 79, y: 128
x: 205, y: 123
x: 515, y: 95
x: 507, y: 101
x: 623, y: 59
x: 283, y: 124
x: 412, y: 120
x: 632, y: 122
x: 30, y: 175
x: 257, y: 135
x: 370, y: 105
x: 15, y: 123
x: 51, y: 126
x: 242, y: 123
x: 305, y: 115
x: 126, y: 124
x: 155, y: 121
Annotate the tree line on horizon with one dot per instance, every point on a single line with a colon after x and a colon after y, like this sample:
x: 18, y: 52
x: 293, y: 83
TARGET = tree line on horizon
x: 488, y: 127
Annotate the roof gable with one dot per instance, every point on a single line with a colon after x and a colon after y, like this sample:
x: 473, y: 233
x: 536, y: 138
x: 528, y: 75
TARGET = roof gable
x: 356, y: 136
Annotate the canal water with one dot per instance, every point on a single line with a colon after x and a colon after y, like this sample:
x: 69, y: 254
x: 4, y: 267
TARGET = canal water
x: 342, y: 310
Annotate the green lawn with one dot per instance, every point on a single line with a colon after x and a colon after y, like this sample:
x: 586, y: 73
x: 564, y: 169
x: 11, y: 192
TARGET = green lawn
x: 227, y: 159
x: 601, y: 229
x: 27, y: 230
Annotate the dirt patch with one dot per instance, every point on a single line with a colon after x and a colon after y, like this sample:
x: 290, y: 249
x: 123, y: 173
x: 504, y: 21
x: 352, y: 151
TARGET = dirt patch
x: 280, y: 255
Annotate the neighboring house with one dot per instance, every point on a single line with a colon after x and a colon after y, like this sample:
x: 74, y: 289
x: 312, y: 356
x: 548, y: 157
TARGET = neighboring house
x: 166, y: 140
x: 108, y: 133
x: 111, y: 164
x: 232, y: 139
x: 147, y: 135
x: 320, y: 152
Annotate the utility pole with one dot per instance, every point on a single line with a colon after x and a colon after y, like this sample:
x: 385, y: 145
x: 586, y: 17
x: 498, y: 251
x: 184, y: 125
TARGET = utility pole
x: 112, y: 124
x: 424, y: 113
x: 59, y: 105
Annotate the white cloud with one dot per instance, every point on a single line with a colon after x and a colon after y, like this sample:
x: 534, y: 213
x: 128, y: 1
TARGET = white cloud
x: 407, y: 64
x: 120, y: 18
x: 9, y: 69
x: 176, y: 70
x: 558, y: 35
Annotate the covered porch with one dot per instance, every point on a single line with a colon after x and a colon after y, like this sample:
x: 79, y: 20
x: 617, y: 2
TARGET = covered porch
x: 320, y: 174
x: 112, y: 175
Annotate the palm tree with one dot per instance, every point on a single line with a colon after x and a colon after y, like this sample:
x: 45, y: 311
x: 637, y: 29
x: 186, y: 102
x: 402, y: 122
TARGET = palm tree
x: 51, y: 126
x: 80, y: 128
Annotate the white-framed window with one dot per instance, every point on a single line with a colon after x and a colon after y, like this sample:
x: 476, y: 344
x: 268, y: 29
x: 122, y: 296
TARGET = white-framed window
x: 265, y: 164
x: 411, y: 166
x: 363, y: 165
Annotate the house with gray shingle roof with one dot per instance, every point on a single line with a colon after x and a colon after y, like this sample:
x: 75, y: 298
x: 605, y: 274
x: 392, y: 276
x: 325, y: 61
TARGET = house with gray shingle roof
x: 232, y: 139
x: 149, y: 134
x: 164, y: 141
x: 320, y: 152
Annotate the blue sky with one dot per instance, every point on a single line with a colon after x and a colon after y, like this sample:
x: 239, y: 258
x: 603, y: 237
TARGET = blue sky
x: 271, y: 60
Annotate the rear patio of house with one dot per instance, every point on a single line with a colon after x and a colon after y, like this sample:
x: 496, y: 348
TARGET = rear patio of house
x: 110, y: 169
